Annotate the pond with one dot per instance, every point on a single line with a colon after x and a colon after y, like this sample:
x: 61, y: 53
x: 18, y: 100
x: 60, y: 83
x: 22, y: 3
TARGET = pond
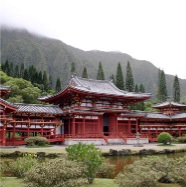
x: 121, y: 161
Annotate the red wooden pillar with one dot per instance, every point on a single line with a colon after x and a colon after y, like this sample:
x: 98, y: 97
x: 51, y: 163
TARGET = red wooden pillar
x: 137, y: 125
x: 179, y: 132
x: 116, y: 126
x: 4, y: 134
x: 129, y: 126
x: 83, y: 125
x: 13, y: 134
x: 73, y: 126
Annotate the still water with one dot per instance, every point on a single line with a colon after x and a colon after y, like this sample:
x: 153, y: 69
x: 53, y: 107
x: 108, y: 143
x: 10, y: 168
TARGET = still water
x: 121, y: 161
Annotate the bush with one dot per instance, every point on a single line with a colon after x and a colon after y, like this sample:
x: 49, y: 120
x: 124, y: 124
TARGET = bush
x: 106, y: 170
x: 149, y: 171
x: 21, y: 165
x: 58, y: 172
x: 165, y: 138
x: 182, y: 139
x: 89, y: 155
x: 36, y: 141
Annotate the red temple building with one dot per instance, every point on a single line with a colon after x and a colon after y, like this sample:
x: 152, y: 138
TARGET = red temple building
x: 90, y: 111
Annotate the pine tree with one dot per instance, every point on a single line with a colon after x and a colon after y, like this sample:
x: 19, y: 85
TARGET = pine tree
x: 100, y: 74
x: 176, y: 89
x: 25, y: 74
x: 73, y: 68
x: 11, y: 71
x: 45, y: 81
x: 58, y: 85
x: 7, y: 67
x: 50, y: 82
x: 22, y: 69
x: 85, y: 74
x: 136, y: 89
x: 141, y: 88
x: 129, y: 82
x: 119, y: 77
x: 16, y: 72
x: 162, y: 90
x: 40, y: 78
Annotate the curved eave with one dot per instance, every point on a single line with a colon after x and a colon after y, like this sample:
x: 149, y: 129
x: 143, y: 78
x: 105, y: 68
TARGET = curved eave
x: 53, y: 98
x: 8, y: 105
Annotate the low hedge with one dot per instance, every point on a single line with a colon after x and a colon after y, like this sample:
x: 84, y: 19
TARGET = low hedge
x: 36, y: 141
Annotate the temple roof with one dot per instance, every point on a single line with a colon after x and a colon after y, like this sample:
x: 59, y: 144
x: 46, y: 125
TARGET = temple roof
x: 8, y: 104
x: 169, y: 105
x: 38, y: 108
x: 103, y: 87
x: 164, y: 116
x: 2, y: 87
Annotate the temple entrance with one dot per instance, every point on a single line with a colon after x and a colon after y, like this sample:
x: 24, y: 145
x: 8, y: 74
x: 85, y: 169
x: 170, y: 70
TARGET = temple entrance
x: 106, y: 118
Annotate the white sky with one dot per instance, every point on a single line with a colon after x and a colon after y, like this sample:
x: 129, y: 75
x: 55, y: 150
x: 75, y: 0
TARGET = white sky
x: 153, y: 30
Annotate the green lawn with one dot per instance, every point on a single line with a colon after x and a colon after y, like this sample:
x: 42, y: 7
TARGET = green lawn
x: 15, y: 182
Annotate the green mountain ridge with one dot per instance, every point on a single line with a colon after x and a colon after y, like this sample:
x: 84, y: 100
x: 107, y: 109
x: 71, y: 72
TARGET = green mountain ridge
x: 54, y: 56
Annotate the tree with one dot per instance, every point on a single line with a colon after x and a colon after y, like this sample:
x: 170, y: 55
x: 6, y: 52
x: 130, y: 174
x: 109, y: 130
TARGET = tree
x: 50, y: 82
x: 16, y: 72
x: 164, y: 137
x: 141, y: 88
x: 89, y: 156
x: 129, y: 82
x: 112, y: 78
x: 136, y: 89
x: 85, y: 74
x: 119, y: 77
x: 58, y: 85
x: 100, y: 74
x: 45, y: 81
x: 176, y: 89
x: 73, y: 68
x: 22, y: 69
x: 25, y: 75
x: 162, y: 90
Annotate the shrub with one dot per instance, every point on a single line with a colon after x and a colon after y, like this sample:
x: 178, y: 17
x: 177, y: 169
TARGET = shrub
x: 36, y: 141
x: 21, y: 165
x: 58, y: 172
x: 106, y: 170
x: 89, y: 155
x: 165, y: 138
x: 149, y: 171
x: 182, y: 139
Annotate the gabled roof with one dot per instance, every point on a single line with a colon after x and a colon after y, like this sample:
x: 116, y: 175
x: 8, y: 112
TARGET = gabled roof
x: 38, y: 108
x: 169, y: 105
x: 99, y: 87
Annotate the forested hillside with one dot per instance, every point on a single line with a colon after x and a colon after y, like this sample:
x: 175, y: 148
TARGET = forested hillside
x: 56, y: 57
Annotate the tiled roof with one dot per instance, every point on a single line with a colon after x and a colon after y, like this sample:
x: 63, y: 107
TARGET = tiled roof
x: 164, y: 116
x: 169, y: 104
x: 99, y: 87
x: 4, y: 87
x: 7, y: 103
x: 37, y: 108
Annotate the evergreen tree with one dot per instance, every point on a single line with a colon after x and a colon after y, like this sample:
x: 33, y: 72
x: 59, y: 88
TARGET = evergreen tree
x: 7, y: 67
x: 119, y: 77
x: 100, y: 74
x: 85, y: 74
x: 73, y: 68
x: 141, y: 88
x: 50, y: 82
x: 58, y: 85
x: 11, y: 71
x: 136, y: 89
x: 176, y: 89
x: 16, y: 72
x: 129, y: 82
x: 25, y: 74
x: 45, y: 81
x: 162, y: 90
x: 40, y: 78
x: 22, y: 69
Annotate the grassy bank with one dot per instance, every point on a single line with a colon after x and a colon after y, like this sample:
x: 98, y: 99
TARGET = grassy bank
x: 15, y: 182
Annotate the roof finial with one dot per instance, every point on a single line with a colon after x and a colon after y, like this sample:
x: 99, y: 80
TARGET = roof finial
x: 73, y: 75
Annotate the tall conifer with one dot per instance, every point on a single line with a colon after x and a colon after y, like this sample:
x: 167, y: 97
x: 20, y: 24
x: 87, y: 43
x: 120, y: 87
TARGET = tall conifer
x: 119, y: 77
x: 176, y: 89
x: 85, y: 74
x: 100, y: 74
x: 58, y: 85
x: 73, y: 68
x: 129, y: 81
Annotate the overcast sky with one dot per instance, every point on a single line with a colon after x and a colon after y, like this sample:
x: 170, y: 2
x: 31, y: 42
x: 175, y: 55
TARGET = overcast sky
x: 153, y: 30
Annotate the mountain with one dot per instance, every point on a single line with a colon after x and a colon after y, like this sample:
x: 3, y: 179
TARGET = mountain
x: 54, y: 56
